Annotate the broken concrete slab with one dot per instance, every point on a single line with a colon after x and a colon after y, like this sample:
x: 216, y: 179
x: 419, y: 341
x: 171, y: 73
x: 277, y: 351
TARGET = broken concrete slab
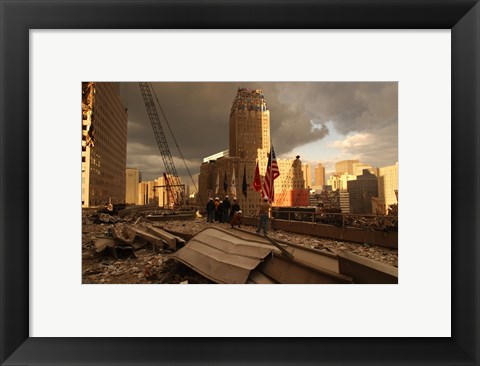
x: 182, y: 238
x: 129, y: 233
x: 151, y: 238
x: 365, y: 270
x: 222, y: 256
x: 283, y: 250
x: 120, y: 235
x: 103, y: 243
x: 165, y: 236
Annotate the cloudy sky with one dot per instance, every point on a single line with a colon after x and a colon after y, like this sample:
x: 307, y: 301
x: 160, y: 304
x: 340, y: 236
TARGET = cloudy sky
x: 321, y: 122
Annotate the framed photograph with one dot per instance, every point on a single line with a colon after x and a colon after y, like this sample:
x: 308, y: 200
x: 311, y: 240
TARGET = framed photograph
x: 43, y: 322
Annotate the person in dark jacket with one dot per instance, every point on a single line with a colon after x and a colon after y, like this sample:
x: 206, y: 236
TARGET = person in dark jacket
x: 220, y: 212
x: 217, y: 203
x: 235, y: 208
x: 226, y: 208
x: 210, y: 210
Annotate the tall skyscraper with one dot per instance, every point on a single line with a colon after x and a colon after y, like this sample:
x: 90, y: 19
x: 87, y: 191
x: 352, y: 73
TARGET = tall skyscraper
x: 104, y: 144
x: 249, y: 131
x: 249, y: 124
x: 307, y: 174
x: 249, y: 143
x: 319, y: 175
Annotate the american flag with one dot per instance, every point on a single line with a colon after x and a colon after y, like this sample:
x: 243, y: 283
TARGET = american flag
x: 270, y: 175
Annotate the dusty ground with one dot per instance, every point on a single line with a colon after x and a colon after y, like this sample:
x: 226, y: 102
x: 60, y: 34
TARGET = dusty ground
x: 144, y: 265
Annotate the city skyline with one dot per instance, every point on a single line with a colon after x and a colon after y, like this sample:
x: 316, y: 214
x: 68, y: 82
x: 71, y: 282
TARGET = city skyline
x: 321, y: 122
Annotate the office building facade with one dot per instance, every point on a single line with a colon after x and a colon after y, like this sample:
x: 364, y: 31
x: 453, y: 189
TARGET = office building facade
x: 361, y: 191
x: 339, y: 181
x: 388, y: 185
x: 104, y: 144
x: 319, y: 174
x: 132, y: 178
x: 307, y: 174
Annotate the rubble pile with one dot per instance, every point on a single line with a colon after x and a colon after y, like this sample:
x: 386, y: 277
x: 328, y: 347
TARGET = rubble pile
x: 126, y: 250
x: 373, y: 222
x: 129, y: 248
x: 377, y: 222
x: 376, y: 253
x: 380, y: 254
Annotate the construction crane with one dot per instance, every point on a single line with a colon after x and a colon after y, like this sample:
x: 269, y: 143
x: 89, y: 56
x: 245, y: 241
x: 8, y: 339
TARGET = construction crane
x: 175, y: 190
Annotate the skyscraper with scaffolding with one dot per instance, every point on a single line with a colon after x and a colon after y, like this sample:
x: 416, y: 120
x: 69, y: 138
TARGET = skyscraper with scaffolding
x: 104, y: 144
x: 249, y: 143
x: 249, y: 130
x: 249, y: 124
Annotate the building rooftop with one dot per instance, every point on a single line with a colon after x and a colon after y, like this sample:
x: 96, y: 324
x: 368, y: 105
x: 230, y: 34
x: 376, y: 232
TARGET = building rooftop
x: 249, y: 99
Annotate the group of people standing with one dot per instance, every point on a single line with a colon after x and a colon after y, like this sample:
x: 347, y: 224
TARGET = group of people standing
x: 223, y: 211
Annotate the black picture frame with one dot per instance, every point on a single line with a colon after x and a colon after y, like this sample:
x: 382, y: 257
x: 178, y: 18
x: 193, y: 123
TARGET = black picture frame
x: 18, y: 17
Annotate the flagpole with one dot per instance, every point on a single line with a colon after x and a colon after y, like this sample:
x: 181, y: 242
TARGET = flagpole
x: 271, y: 172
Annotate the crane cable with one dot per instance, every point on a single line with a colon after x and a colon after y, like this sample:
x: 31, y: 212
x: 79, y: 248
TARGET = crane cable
x: 173, y: 136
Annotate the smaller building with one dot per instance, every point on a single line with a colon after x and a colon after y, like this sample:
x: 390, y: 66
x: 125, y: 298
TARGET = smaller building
x: 339, y: 180
x: 145, y: 193
x: 155, y: 192
x: 361, y: 191
x: 132, y: 179
x: 313, y: 199
x: 344, y: 201
x: 388, y: 185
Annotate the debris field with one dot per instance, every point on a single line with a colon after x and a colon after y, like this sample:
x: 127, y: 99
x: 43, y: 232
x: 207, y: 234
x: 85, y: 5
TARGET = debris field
x: 131, y: 249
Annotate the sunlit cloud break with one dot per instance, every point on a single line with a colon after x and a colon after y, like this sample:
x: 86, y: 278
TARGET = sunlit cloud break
x: 357, y: 140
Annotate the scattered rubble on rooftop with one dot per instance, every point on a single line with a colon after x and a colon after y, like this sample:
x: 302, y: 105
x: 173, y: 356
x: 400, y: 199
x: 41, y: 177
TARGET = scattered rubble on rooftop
x: 129, y: 248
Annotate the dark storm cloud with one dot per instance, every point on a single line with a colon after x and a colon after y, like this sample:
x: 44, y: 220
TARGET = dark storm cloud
x: 350, y: 106
x: 198, y: 114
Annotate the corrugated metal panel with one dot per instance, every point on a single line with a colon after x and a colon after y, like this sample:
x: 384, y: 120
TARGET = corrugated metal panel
x: 241, y: 257
x: 222, y: 256
x: 229, y: 243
